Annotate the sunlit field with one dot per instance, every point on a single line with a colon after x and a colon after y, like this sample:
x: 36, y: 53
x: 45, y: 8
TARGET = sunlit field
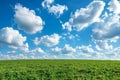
x: 59, y: 70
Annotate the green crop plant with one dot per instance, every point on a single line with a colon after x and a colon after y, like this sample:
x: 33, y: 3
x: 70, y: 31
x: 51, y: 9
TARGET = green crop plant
x: 59, y: 70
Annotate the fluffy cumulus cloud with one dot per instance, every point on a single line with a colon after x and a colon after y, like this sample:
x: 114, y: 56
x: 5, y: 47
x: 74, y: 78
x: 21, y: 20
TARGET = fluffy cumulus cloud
x: 83, y: 17
x: 114, y: 6
x: 88, y: 52
x: 47, y: 3
x: 67, y: 49
x: 78, y: 52
x: 107, y: 31
x: 56, y: 50
x: 37, y: 50
x: 48, y: 41
x: 13, y: 38
x: 85, y: 49
x: 113, y: 54
x: 108, y: 28
x: 103, y: 45
x: 27, y: 20
x: 56, y: 9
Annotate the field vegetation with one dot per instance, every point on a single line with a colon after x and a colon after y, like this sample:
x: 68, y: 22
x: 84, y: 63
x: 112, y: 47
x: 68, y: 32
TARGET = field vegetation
x: 59, y: 70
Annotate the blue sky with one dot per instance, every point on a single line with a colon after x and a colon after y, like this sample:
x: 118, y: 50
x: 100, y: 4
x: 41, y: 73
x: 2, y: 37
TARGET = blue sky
x: 60, y: 29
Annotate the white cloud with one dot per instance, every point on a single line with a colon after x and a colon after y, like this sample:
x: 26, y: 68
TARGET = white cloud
x: 67, y: 49
x: 86, y: 52
x: 47, y: 3
x: 57, y: 9
x: 84, y: 17
x: 11, y: 52
x: 56, y: 50
x: 37, y: 50
x: 27, y: 20
x: 107, y: 29
x: 85, y: 49
x: 72, y: 37
x: 48, y: 41
x: 78, y: 52
x: 112, y: 54
x: 12, y: 38
x: 12, y: 57
x: 25, y: 47
x: 103, y: 45
x: 114, y: 6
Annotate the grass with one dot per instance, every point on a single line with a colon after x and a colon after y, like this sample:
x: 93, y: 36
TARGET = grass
x: 59, y: 70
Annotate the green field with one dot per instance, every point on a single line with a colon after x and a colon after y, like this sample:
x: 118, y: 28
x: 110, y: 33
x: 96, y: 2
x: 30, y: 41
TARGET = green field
x: 59, y: 70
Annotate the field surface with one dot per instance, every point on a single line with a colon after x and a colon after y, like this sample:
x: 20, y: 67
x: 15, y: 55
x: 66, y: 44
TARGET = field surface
x: 59, y: 70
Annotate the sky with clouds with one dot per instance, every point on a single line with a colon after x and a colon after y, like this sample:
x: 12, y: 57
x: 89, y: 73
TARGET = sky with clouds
x: 60, y: 29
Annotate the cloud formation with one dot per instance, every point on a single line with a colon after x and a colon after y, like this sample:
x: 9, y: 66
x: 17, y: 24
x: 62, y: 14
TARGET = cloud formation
x: 13, y: 38
x: 37, y: 50
x: 47, y: 3
x: 103, y: 45
x: 84, y: 17
x: 85, y: 49
x: 56, y: 9
x: 12, y: 57
x: 27, y: 20
x: 67, y: 49
x: 114, y: 6
x: 48, y: 41
x: 108, y: 28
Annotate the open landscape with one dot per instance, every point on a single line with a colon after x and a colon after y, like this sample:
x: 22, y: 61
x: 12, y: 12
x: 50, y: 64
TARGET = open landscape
x: 59, y: 70
x: 59, y: 39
